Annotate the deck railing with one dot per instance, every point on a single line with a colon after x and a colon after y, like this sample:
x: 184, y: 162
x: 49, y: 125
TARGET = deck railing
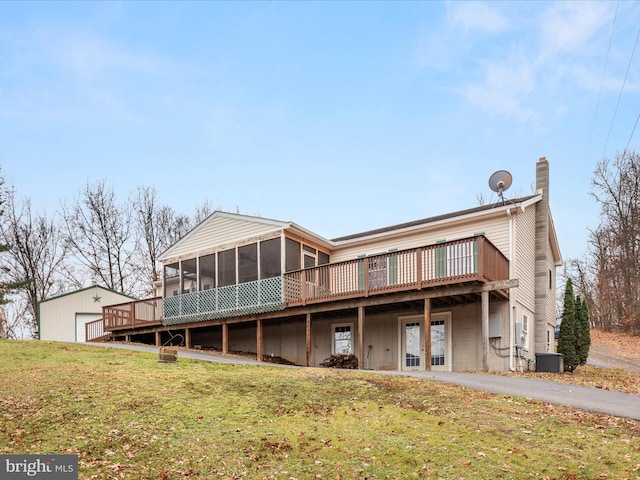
x: 473, y: 259
x: 139, y: 313
x: 230, y: 301
x: 466, y: 260
x: 94, y: 331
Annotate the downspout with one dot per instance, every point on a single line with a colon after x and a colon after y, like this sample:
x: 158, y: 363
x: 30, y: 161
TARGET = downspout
x: 512, y: 292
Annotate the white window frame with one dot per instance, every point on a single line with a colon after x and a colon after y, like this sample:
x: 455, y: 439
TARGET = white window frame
x: 333, y: 336
x: 525, y: 330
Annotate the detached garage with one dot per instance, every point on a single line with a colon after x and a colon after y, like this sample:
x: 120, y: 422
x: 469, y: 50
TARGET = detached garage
x: 63, y: 318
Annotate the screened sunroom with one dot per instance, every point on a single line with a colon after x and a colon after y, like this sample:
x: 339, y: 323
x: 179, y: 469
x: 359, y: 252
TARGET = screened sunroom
x: 239, y: 280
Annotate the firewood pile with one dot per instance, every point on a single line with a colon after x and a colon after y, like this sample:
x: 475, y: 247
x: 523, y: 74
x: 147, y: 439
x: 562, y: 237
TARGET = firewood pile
x: 340, y: 361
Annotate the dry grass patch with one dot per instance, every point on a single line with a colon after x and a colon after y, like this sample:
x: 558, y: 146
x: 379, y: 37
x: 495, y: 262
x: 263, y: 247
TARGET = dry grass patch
x: 127, y: 416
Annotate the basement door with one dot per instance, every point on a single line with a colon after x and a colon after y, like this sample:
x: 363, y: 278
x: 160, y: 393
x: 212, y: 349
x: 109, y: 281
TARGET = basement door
x: 441, y: 342
x: 412, y: 343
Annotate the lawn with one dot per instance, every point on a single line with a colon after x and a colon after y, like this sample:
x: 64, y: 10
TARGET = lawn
x: 127, y: 416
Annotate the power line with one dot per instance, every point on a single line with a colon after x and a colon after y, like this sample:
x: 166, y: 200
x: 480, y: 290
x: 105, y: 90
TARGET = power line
x: 632, y: 132
x: 604, y: 70
x: 620, y: 96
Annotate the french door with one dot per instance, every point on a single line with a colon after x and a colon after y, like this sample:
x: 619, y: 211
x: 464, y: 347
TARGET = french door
x: 412, y: 355
x: 441, y: 342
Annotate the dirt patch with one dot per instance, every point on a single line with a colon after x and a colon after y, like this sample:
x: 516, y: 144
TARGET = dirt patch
x: 617, y: 350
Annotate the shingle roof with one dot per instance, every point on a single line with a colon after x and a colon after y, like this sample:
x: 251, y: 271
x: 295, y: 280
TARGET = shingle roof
x: 424, y: 221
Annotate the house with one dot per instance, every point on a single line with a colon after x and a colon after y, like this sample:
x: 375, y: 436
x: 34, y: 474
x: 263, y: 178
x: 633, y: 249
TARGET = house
x: 468, y: 290
x: 63, y: 318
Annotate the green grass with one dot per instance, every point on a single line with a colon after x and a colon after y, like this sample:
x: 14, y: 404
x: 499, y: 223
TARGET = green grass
x: 128, y: 416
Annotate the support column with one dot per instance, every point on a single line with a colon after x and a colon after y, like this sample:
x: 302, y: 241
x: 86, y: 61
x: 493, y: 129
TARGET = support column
x: 485, y: 331
x: 225, y: 338
x: 308, y: 337
x: 187, y: 337
x: 157, y: 338
x: 427, y: 333
x: 259, y: 356
x: 361, y: 337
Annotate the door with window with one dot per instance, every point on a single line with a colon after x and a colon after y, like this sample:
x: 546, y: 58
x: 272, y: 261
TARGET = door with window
x: 412, y: 343
x: 441, y: 342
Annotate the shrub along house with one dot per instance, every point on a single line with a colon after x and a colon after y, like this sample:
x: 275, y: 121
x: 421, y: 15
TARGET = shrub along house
x: 473, y: 289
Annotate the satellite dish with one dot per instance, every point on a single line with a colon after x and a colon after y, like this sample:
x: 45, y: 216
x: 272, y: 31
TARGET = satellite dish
x: 499, y: 182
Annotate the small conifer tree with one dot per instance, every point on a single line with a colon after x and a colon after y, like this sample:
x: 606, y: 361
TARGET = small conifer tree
x: 567, y: 338
x: 583, y: 330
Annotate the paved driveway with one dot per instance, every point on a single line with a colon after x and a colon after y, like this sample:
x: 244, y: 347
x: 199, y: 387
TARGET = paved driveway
x: 592, y: 399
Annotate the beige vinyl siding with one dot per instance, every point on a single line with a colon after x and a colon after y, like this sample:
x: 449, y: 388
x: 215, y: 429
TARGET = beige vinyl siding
x: 551, y: 299
x: 218, y: 232
x: 495, y: 228
x: 58, y: 314
x: 525, y: 265
x: 467, y: 345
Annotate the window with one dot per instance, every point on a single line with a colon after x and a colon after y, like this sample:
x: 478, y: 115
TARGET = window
x: 412, y: 344
x: 550, y: 280
x: 323, y: 258
x: 343, y: 339
x: 292, y: 255
x: 525, y: 331
x: 248, y: 263
x: 227, y: 268
x: 207, y: 272
x: 171, y: 279
x: 377, y: 272
x: 309, y: 261
x: 189, y: 275
x: 270, y: 258
x: 438, y: 343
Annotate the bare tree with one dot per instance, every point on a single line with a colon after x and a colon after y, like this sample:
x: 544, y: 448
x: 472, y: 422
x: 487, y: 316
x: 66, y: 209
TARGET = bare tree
x: 158, y: 227
x: 615, y: 244
x: 11, y: 314
x: 201, y: 212
x: 99, y: 233
x: 9, y: 283
x: 37, y: 253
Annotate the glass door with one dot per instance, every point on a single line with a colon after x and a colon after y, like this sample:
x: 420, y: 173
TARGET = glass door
x: 412, y: 338
x: 441, y: 342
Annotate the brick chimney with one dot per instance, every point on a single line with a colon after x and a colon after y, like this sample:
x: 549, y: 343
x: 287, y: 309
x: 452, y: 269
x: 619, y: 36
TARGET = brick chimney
x: 543, y: 294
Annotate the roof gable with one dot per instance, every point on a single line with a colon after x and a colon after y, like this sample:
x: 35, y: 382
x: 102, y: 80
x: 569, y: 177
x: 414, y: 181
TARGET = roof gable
x: 81, y: 290
x: 222, y: 228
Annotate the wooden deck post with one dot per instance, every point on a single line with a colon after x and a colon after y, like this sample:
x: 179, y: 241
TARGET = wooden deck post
x: 485, y: 330
x: 187, y: 337
x: 427, y: 334
x: 157, y: 338
x: 361, y: 337
x: 259, y: 355
x: 308, y: 338
x: 225, y: 338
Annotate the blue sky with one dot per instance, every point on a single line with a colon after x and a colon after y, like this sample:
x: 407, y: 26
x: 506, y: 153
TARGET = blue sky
x: 339, y: 116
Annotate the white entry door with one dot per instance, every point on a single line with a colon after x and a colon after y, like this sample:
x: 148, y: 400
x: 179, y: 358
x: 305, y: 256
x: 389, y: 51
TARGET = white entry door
x: 441, y: 342
x: 412, y: 343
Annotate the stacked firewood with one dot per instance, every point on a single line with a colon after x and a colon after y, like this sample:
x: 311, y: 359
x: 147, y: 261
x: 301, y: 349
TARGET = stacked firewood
x: 340, y: 361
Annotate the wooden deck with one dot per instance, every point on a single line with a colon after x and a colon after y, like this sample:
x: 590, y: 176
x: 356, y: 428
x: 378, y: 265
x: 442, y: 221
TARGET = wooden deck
x: 130, y: 315
x: 473, y: 260
x: 468, y: 260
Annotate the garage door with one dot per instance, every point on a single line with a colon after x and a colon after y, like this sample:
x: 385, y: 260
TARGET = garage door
x: 81, y: 320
